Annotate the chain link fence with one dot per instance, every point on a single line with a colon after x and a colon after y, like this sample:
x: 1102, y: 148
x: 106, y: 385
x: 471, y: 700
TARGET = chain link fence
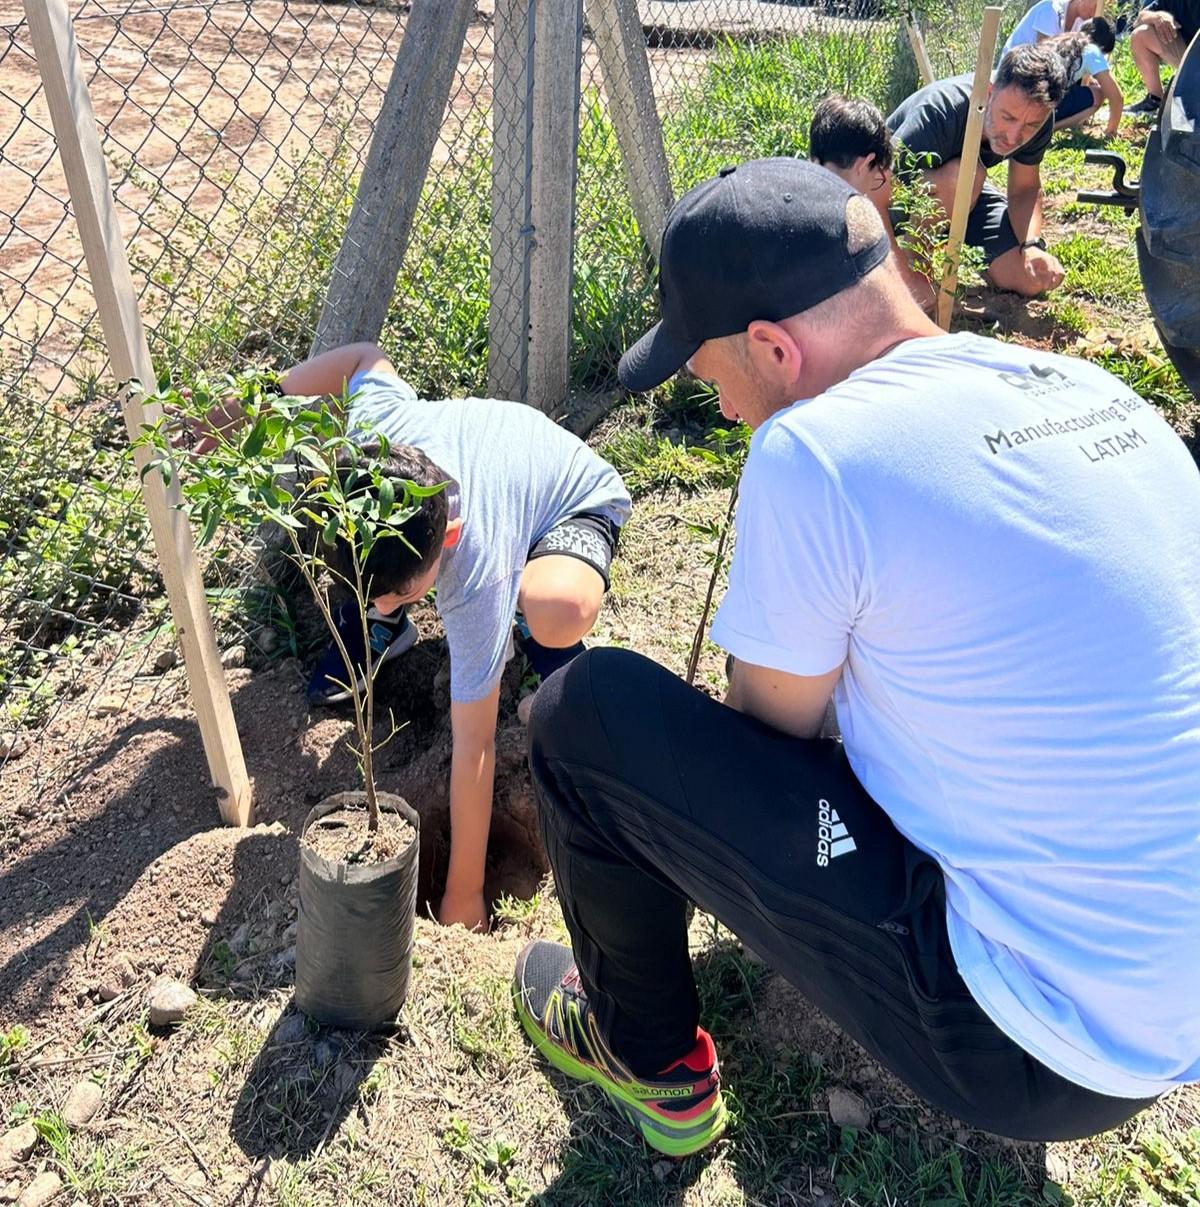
x: 234, y: 134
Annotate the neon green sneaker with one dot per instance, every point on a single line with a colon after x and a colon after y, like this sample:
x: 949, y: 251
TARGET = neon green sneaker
x: 679, y: 1112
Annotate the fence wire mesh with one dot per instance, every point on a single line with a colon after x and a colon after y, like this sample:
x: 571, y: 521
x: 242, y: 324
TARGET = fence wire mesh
x: 234, y: 134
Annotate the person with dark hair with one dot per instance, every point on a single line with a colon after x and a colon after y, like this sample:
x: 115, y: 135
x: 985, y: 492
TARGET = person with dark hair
x: 528, y: 521
x: 1162, y: 32
x: 929, y: 128
x: 1083, y: 55
x: 985, y: 554
x: 849, y: 137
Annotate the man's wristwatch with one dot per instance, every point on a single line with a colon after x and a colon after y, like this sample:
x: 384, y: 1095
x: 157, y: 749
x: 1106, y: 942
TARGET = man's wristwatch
x: 1039, y: 243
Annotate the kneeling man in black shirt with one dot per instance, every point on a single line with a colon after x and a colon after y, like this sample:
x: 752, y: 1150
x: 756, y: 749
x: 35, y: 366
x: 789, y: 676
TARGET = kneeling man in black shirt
x: 1017, y: 126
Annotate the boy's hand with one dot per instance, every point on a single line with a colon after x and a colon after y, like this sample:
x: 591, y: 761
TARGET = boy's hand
x: 227, y: 416
x: 466, y: 909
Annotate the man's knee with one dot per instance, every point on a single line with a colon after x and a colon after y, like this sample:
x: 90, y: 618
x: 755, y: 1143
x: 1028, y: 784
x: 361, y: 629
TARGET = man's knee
x: 1144, y: 41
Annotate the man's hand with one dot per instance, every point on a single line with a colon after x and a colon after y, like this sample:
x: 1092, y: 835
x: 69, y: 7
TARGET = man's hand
x: 1042, y: 270
x: 464, y: 910
x: 1161, y: 22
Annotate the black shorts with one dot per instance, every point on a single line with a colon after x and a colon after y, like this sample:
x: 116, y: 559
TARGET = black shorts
x: 588, y: 536
x: 988, y: 225
x: 1079, y: 99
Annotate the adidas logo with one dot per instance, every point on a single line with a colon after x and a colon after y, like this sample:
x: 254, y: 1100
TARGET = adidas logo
x: 832, y: 837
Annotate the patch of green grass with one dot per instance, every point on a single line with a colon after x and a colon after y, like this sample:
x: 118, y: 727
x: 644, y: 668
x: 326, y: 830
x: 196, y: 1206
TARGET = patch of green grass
x: 1155, y: 1171
x: 1098, y: 270
x: 95, y: 1168
x: 1154, y: 378
x: 871, y: 1168
x: 483, y: 1024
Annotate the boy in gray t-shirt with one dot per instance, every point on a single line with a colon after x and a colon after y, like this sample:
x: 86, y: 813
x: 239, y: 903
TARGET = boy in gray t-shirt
x: 529, y: 520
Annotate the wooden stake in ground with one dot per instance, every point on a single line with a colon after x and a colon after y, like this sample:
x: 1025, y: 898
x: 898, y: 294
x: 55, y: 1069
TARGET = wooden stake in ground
x: 967, y: 165
x: 617, y: 28
x: 917, y: 41
x: 116, y: 302
x: 364, y: 274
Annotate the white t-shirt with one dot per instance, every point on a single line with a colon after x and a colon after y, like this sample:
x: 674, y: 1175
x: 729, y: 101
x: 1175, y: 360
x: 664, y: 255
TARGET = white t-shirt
x: 1001, y: 545
x: 1046, y: 19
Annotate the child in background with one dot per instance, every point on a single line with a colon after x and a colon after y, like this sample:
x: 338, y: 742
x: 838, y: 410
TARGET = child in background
x: 1083, y: 55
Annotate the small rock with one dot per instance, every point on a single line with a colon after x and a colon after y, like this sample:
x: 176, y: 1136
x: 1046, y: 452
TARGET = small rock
x: 1057, y: 1169
x: 166, y: 659
x: 26, y: 809
x: 233, y: 657
x: 12, y: 746
x: 291, y: 1030
x: 662, y: 1170
x: 239, y: 941
x: 285, y: 961
x: 185, y: 914
x: 40, y: 1191
x: 109, y: 989
x: 168, y: 1001
x: 209, y: 917
x: 268, y: 640
x: 17, y: 1143
x: 10, y: 1193
x: 848, y: 1109
x: 289, y: 934
x: 324, y: 1054
x: 107, y: 706
x: 82, y: 1103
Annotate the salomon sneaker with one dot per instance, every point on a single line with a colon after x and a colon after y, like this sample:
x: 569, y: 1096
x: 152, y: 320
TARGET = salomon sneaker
x: 678, y: 1111
x: 389, y: 637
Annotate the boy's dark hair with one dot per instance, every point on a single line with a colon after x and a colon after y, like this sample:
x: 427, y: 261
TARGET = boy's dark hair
x: 1101, y: 34
x: 392, y: 565
x: 844, y: 128
x: 1036, y: 70
x: 1070, y: 48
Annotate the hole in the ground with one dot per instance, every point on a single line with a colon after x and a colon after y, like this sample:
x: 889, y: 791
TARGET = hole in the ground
x: 516, y: 862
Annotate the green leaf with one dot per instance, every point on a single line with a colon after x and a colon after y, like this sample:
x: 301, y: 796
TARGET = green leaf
x: 329, y: 533
x: 387, y: 498
x: 252, y: 446
x: 211, y: 520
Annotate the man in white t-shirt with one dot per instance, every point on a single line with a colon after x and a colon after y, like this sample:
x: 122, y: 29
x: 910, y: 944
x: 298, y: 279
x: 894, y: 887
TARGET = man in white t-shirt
x: 1047, y: 19
x: 986, y: 555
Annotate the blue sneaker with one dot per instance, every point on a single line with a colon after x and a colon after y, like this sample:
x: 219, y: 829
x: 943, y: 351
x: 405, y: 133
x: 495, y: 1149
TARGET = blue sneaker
x: 390, y: 636
x: 544, y: 660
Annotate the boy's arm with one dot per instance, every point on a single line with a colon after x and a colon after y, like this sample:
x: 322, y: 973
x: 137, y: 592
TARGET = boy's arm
x: 1111, y: 91
x: 329, y: 372
x: 472, y: 773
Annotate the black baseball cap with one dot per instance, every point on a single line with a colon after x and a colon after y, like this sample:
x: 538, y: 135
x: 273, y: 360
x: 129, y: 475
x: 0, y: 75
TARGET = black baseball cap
x: 764, y: 240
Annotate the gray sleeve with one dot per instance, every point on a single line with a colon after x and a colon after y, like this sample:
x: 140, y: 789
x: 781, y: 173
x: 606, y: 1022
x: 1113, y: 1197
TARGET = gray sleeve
x: 478, y: 628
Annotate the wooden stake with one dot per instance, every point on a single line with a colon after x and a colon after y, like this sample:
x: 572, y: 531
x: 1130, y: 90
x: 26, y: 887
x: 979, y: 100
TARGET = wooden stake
x: 967, y: 164
x: 617, y: 28
x: 116, y: 302
x: 557, y: 59
x: 917, y: 41
x: 372, y: 252
x: 535, y: 127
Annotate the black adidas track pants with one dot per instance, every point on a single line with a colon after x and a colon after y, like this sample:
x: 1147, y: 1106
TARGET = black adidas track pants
x: 652, y: 794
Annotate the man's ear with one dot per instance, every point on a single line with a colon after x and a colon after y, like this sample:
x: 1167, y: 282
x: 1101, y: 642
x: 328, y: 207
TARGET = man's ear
x: 453, y: 533
x: 774, y: 350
